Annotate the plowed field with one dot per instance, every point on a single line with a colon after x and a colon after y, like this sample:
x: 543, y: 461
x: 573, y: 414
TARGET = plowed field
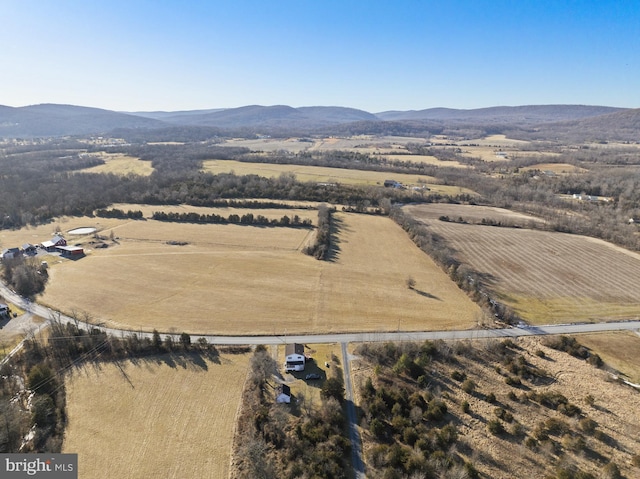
x: 547, y: 277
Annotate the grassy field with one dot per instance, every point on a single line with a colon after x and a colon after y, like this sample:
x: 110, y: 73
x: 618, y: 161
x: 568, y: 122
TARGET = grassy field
x: 164, y: 416
x: 547, y: 277
x: 121, y: 165
x: 618, y: 350
x: 328, y: 175
x: 232, y: 279
x: 557, y: 168
x: 428, y: 160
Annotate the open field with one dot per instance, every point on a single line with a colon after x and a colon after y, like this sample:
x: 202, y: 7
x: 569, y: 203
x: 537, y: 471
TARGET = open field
x: 547, y: 277
x: 557, y: 168
x: 427, y: 160
x: 233, y: 279
x: 505, y: 456
x: 470, y: 213
x: 328, y: 175
x: 161, y: 416
x: 121, y: 165
x: 618, y: 350
x: 362, y: 143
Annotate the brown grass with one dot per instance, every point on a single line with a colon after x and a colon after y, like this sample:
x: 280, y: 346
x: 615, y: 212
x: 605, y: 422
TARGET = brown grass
x: 618, y: 350
x: 328, y: 175
x: 121, y: 165
x: 234, y: 279
x: 158, y: 417
x: 506, y: 457
x: 547, y: 277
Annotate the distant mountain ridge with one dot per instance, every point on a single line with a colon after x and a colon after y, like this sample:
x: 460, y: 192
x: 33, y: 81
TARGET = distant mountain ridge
x: 60, y: 120
x: 520, y: 114
x: 63, y: 120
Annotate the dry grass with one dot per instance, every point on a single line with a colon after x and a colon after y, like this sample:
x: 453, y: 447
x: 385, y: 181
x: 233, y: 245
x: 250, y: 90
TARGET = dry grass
x: 157, y: 417
x: 233, y: 279
x: 121, y: 165
x: 505, y: 456
x: 557, y: 168
x: 547, y: 277
x: 428, y: 160
x: 327, y: 175
x: 618, y: 350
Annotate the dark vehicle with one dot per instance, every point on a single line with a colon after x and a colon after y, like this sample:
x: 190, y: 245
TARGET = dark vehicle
x: 313, y: 376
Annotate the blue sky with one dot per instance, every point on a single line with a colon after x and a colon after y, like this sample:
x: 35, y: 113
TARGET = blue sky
x: 374, y: 55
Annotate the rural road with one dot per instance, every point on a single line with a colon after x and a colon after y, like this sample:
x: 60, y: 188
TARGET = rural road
x: 574, y: 328
x: 343, y: 338
x: 354, y: 435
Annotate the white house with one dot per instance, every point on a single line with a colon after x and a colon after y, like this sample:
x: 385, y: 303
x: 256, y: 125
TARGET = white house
x: 283, y: 394
x: 295, y: 359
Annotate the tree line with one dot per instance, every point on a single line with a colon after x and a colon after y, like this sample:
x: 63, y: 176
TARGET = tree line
x: 246, y: 219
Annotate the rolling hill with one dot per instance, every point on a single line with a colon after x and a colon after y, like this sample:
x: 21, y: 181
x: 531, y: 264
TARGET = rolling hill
x: 60, y: 120
x: 534, y: 121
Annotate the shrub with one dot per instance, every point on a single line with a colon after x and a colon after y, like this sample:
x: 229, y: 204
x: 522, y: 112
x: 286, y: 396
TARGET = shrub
x: 495, y: 427
x: 587, y: 425
x: 490, y: 398
x: 513, y: 381
x: 540, y: 353
x: 458, y: 376
x: 465, y: 407
x: 468, y: 386
x: 611, y: 471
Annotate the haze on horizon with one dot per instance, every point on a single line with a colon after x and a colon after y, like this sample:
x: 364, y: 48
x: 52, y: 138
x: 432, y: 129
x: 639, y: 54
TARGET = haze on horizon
x: 144, y: 55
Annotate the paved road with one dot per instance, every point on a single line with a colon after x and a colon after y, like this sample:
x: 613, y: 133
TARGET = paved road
x: 344, y: 339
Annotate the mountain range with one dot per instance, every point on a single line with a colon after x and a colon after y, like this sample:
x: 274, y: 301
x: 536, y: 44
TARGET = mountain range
x: 47, y: 120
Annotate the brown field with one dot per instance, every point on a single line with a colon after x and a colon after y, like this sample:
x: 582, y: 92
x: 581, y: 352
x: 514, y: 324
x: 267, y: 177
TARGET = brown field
x: 428, y: 160
x: 233, y: 279
x: 328, y: 175
x: 557, y: 168
x: 506, y: 457
x: 165, y: 416
x: 121, y: 165
x: 470, y: 213
x: 547, y: 277
x: 361, y: 143
x: 618, y: 350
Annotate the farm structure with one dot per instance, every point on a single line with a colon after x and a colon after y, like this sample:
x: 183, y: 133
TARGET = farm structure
x: 70, y: 251
x: 10, y: 253
x: 54, y: 242
x: 283, y: 394
x: 295, y: 359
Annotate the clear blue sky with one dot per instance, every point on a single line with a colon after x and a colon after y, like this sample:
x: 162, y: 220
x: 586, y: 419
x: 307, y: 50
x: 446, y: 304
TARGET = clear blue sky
x: 375, y: 55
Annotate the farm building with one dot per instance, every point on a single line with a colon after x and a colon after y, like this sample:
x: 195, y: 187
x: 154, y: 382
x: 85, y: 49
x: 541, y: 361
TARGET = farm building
x: 10, y: 253
x: 283, y: 394
x: 29, y: 248
x: 392, y: 184
x: 295, y: 359
x: 70, y: 251
x: 54, y: 242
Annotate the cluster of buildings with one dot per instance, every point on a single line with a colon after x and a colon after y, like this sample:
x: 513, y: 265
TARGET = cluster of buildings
x: 57, y: 244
